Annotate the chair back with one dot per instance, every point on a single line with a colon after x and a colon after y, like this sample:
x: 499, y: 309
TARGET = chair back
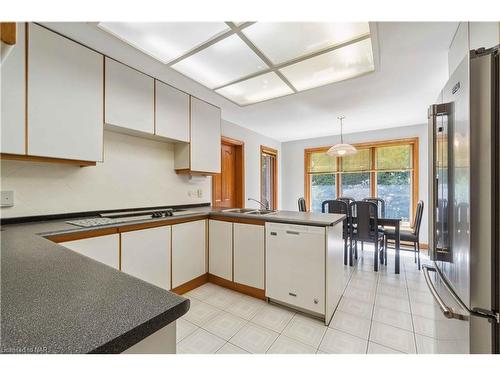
x: 337, y: 207
x: 365, y: 217
x: 380, y: 204
x: 334, y: 207
x: 419, y: 212
x: 348, y: 200
x: 302, y: 204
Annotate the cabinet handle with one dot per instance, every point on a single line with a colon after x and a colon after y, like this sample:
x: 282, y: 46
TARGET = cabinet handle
x: 292, y: 232
x: 292, y: 294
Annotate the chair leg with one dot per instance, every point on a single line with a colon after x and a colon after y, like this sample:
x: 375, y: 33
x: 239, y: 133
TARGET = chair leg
x: 355, y: 249
x: 362, y: 246
x: 375, y: 258
x: 345, y: 251
x: 418, y: 254
x: 415, y: 251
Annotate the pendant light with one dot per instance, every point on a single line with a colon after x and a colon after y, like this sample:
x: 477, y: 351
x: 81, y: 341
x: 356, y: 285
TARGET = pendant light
x: 342, y: 149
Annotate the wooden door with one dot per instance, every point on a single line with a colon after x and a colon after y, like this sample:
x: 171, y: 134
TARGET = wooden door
x: 224, y: 183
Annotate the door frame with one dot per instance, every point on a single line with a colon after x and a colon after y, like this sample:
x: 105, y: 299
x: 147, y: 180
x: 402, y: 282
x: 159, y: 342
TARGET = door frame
x: 274, y: 152
x: 239, y: 173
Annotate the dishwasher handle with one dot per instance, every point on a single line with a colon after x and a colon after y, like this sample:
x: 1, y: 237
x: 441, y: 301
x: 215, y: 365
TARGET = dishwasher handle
x: 294, y: 232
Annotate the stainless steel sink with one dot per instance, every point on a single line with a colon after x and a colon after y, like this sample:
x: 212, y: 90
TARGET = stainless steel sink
x: 239, y: 210
x: 261, y: 212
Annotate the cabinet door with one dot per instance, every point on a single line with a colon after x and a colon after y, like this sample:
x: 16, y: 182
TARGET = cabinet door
x: 249, y: 255
x: 146, y: 255
x: 65, y: 97
x: 104, y: 249
x: 205, y: 137
x: 129, y: 98
x: 220, y: 249
x: 188, y: 252
x: 13, y: 96
x: 172, y: 113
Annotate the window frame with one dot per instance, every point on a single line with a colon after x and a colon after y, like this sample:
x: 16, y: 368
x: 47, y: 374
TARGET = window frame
x: 414, y: 142
x: 264, y: 150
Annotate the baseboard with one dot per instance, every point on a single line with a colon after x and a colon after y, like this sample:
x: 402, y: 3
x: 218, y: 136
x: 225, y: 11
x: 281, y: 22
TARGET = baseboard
x: 244, y: 289
x: 190, y: 285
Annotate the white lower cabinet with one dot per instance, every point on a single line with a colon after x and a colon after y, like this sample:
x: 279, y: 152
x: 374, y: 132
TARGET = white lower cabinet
x: 220, y: 245
x: 295, y: 265
x: 188, y: 251
x: 146, y: 255
x: 104, y: 249
x: 249, y: 255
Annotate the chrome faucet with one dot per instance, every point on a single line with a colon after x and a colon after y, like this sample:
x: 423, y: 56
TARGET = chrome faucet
x: 265, y: 205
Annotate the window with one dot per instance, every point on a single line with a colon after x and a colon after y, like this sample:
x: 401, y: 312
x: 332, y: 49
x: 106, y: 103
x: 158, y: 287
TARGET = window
x: 387, y: 170
x: 269, y: 176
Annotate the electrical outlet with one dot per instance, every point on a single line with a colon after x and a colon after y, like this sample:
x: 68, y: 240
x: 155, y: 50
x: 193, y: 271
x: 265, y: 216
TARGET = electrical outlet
x: 7, y: 198
x: 199, y: 193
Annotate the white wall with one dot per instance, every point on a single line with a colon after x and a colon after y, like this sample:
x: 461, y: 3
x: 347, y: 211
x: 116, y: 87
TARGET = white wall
x: 136, y: 172
x: 293, y: 162
x: 253, y: 141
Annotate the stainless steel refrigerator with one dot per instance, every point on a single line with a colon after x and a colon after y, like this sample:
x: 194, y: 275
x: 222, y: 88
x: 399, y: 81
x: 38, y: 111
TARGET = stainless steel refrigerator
x: 464, y: 206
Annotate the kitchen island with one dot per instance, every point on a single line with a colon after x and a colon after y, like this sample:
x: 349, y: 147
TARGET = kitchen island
x: 55, y: 300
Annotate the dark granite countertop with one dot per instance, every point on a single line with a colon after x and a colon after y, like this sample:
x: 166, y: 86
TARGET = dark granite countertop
x: 57, y: 301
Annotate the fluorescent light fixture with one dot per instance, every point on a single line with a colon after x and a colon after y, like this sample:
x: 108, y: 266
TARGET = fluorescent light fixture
x: 221, y: 63
x: 284, y: 41
x: 165, y: 41
x: 337, y: 65
x: 257, y: 89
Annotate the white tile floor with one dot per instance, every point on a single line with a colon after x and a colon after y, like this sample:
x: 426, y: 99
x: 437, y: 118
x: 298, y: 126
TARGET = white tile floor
x: 379, y: 313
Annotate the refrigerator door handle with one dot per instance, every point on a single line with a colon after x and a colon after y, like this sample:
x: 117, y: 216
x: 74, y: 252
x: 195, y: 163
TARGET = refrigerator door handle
x: 447, y: 311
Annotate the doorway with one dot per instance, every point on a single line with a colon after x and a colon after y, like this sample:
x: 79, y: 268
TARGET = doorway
x: 228, y: 186
x: 269, y: 176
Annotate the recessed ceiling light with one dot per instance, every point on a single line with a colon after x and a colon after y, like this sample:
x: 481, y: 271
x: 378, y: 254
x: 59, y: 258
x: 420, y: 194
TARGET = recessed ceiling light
x: 221, y: 63
x: 257, y: 89
x: 165, y: 41
x: 337, y: 65
x: 284, y: 41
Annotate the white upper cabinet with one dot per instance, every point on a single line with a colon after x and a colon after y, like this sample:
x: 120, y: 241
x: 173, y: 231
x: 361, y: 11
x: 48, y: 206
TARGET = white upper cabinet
x: 13, y: 96
x: 205, y: 136
x: 203, y: 153
x: 172, y: 113
x: 146, y: 255
x: 129, y: 98
x: 65, y: 98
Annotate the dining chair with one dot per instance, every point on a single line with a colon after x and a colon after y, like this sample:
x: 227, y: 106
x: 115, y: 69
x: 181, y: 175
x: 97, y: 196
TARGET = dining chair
x: 339, y: 207
x: 412, y: 235
x: 380, y: 204
x: 302, y: 204
x: 365, y: 215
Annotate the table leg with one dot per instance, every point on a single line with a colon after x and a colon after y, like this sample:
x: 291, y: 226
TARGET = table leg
x: 396, y: 233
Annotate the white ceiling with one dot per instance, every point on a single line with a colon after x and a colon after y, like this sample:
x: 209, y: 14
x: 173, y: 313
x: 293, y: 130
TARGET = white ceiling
x: 410, y: 71
x: 413, y: 67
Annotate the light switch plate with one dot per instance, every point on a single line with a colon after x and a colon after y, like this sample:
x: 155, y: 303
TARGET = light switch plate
x: 7, y: 198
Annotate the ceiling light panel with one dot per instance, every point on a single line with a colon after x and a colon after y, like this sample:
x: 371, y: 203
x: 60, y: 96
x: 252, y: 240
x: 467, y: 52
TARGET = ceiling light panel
x: 165, y: 41
x: 221, y: 63
x: 285, y: 41
x: 337, y: 65
x: 257, y: 89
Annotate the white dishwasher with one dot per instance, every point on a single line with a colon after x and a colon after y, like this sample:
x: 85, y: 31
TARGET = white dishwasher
x: 295, y: 265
